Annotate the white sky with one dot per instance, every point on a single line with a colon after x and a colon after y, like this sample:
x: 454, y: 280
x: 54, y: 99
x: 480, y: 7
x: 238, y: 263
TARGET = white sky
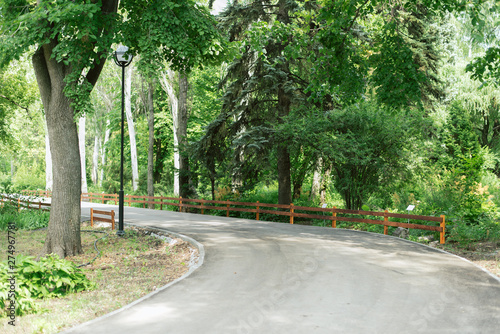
x: 219, y: 5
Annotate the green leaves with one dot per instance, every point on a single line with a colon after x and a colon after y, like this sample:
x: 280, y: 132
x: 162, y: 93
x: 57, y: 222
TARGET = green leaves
x: 179, y: 33
x: 50, y: 277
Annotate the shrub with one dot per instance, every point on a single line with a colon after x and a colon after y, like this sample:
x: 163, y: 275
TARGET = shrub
x: 50, y: 277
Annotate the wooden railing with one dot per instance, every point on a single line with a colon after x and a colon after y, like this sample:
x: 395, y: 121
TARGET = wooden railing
x: 27, y: 204
x: 37, y: 193
x: 94, y: 218
x: 332, y: 214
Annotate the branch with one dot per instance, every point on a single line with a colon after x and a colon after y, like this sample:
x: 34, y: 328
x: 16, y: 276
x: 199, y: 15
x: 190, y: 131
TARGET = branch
x: 354, y: 19
x: 17, y: 104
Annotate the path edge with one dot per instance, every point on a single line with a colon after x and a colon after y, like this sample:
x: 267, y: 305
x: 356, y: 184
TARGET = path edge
x: 195, y: 265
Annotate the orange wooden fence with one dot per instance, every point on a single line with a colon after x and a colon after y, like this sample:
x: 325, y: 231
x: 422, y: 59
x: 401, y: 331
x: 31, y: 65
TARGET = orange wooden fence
x: 332, y: 214
x: 27, y: 204
x: 94, y: 218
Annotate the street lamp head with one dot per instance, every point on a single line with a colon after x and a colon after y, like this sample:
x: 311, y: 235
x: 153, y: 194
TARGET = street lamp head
x: 121, y: 57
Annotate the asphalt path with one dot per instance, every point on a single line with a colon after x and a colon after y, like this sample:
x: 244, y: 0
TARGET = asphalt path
x: 262, y: 277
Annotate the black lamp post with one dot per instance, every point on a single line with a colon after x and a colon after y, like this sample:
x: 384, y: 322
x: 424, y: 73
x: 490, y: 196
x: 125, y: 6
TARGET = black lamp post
x: 122, y: 59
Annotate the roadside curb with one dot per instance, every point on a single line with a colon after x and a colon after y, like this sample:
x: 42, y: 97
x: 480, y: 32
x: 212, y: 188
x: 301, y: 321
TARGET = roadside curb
x: 195, y: 264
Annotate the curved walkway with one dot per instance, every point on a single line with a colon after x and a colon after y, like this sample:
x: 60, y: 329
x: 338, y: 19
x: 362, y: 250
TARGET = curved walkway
x: 261, y: 277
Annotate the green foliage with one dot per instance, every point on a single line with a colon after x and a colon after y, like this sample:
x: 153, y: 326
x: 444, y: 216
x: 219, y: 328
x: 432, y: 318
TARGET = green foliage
x: 47, y: 278
x: 364, y: 143
x: 155, y: 28
x: 24, y: 219
x: 466, y: 233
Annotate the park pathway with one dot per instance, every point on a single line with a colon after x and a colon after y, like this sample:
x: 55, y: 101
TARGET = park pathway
x: 260, y: 277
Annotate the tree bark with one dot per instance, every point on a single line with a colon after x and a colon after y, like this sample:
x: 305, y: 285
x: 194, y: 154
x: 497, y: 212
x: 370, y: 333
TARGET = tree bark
x: 167, y: 83
x: 81, y: 143
x: 131, y: 128
x: 182, y: 119
x: 103, y: 154
x: 151, y: 126
x: 48, y: 164
x: 63, y: 234
x: 316, y: 181
x: 95, y: 160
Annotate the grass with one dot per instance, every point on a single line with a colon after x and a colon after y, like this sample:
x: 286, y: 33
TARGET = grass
x: 129, y: 267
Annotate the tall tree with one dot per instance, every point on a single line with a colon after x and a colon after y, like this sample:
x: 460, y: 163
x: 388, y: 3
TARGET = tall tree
x: 73, y: 40
x: 131, y: 127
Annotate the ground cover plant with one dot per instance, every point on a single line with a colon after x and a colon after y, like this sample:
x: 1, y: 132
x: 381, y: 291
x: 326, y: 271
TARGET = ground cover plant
x: 128, y: 268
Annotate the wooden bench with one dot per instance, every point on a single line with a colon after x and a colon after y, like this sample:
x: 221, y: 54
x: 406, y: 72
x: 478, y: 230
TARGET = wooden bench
x: 101, y: 219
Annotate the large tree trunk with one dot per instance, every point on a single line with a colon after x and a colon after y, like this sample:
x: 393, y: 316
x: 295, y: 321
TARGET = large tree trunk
x: 81, y: 143
x: 48, y: 164
x: 151, y: 126
x: 167, y: 83
x: 182, y: 119
x: 63, y: 234
x: 131, y: 128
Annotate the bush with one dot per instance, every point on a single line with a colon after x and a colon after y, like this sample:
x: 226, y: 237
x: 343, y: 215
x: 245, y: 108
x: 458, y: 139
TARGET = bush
x: 50, y: 277
x: 25, y: 219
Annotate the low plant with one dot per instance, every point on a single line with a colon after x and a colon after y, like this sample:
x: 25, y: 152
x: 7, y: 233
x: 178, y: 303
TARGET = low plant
x: 49, y: 277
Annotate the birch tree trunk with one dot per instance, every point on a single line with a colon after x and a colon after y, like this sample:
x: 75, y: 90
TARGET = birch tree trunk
x: 316, y: 181
x: 131, y: 128
x: 103, y: 153
x: 81, y: 142
x: 167, y: 83
x: 48, y: 164
x: 182, y: 119
x: 95, y: 160
x: 151, y: 126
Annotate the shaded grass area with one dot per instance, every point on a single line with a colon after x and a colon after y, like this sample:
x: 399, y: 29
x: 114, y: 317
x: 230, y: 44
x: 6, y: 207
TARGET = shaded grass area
x: 129, y: 267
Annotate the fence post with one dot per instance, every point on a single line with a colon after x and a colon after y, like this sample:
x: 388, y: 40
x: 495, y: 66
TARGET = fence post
x: 144, y: 203
x: 180, y: 203
x: 91, y: 217
x: 18, y: 204
x: 112, y: 219
x: 227, y: 210
x: 443, y: 228
x: 386, y: 219
x: 258, y: 210
x: 291, y: 213
x: 39, y: 206
x: 334, y: 214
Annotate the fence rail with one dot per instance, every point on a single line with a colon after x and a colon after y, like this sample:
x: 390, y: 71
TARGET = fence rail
x: 332, y: 214
x: 94, y: 218
x: 27, y: 204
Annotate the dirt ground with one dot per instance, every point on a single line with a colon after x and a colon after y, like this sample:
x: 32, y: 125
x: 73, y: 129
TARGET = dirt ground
x: 483, y: 254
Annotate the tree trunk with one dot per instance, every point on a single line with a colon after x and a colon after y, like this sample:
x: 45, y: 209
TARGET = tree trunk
x: 63, y: 234
x: 151, y: 126
x: 324, y: 184
x: 167, y: 83
x: 48, y: 164
x: 131, y: 128
x: 182, y: 119
x: 316, y: 181
x: 95, y: 160
x: 81, y: 143
x: 103, y: 154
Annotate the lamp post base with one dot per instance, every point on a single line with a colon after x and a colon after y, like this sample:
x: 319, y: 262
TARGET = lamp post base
x: 120, y: 231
